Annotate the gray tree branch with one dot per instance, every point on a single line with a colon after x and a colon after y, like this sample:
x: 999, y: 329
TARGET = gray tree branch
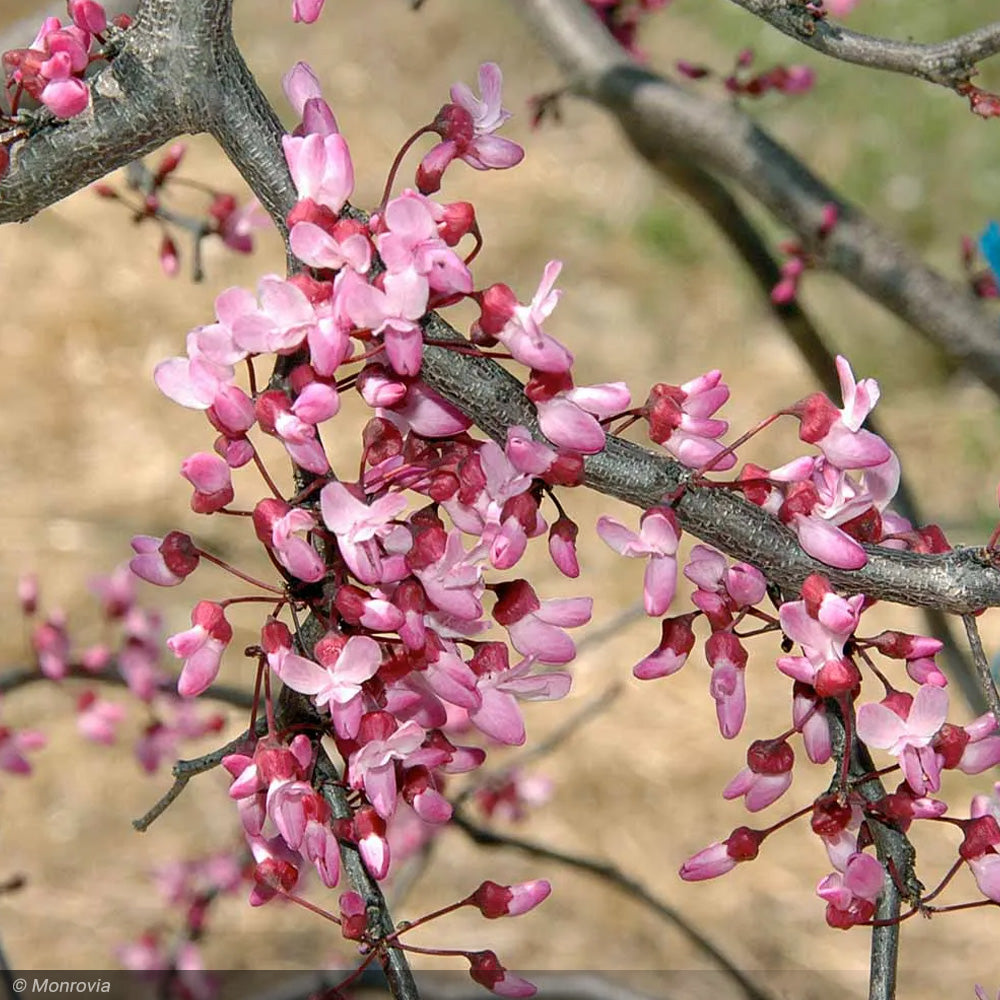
x: 947, y: 63
x: 666, y: 122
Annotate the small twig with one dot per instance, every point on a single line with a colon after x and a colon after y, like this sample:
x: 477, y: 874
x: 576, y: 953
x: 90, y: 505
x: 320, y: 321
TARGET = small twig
x: 982, y: 666
x: 185, y: 770
x: 18, y: 677
x: 614, y: 876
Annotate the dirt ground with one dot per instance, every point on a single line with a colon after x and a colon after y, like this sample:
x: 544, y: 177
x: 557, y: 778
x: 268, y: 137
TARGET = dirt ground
x: 90, y: 453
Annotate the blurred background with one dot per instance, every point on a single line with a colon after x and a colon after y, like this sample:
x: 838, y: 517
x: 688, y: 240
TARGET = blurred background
x: 90, y: 453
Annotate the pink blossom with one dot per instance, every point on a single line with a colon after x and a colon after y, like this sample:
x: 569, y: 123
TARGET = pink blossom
x: 657, y: 539
x: 164, y: 561
x: 98, y: 719
x: 569, y: 418
x: 372, y: 767
x: 213, y: 485
x: 821, y: 624
x: 411, y: 242
x: 276, y: 523
x: 498, y: 716
x: 676, y: 642
x: 536, y: 627
x: 851, y: 895
x: 302, y: 89
x: 680, y: 419
x: 15, y: 745
x: 453, y: 581
x: 466, y: 127
x: 306, y: 11
x: 88, y: 15
x: 279, y: 324
x: 358, y: 525
x: 727, y: 684
x: 721, y: 857
x: 519, y: 327
x: 495, y: 901
x: 767, y: 776
x: 201, y: 648
x: 321, y: 168
x: 840, y: 8
x: 906, y: 728
x: 336, y: 684
x: 391, y: 311
x: 838, y: 433
x: 485, y: 969
x: 316, y: 247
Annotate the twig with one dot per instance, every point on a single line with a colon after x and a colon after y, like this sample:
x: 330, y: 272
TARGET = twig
x: 18, y: 677
x: 986, y: 680
x: 947, y: 63
x: 613, y: 875
x: 184, y: 770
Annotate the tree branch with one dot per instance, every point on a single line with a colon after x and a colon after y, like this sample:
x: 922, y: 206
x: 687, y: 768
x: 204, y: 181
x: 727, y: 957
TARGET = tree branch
x: 666, y: 122
x: 947, y: 63
x: 961, y: 581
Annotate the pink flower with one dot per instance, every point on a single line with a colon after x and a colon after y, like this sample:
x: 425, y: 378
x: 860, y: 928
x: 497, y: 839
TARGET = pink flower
x: 498, y: 715
x: 519, y: 327
x: 495, y: 901
x: 391, y: 311
x: 821, y: 624
x: 680, y: 419
x: 372, y: 767
x: 676, y: 642
x: 466, y: 127
x: 14, y: 745
x: 840, y: 8
x: 164, y: 562
x: 321, y: 168
x: 906, y: 727
x: 336, y: 684
x: 727, y: 684
x: 358, y: 525
x: 201, y: 648
x: 850, y: 896
x: 411, y: 241
x: 657, y: 539
x: 743, y: 844
x: 88, y: 15
x: 97, y: 719
x: 485, y: 969
x: 536, y: 627
x: 306, y: 11
x: 302, y: 89
x: 213, y: 485
x: 276, y: 523
x: 838, y: 433
x: 569, y: 417
x: 767, y: 776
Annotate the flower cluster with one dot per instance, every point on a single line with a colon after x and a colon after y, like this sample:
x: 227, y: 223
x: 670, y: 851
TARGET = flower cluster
x: 51, y: 70
x: 403, y: 567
